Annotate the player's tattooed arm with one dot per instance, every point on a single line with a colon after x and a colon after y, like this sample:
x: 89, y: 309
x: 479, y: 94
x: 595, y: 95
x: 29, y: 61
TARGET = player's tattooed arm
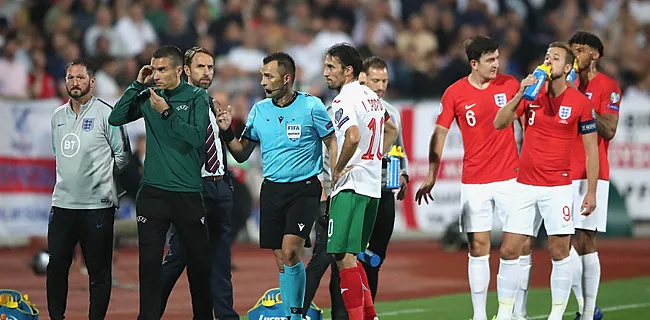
x: 606, y: 124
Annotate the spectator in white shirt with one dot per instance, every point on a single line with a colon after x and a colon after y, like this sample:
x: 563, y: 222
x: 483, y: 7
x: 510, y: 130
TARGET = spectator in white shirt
x: 102, y: 27
x: 14, y: 80
x: 134, y: 31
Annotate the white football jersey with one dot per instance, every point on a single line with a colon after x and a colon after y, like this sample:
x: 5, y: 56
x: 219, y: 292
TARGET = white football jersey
x: 357, y: 105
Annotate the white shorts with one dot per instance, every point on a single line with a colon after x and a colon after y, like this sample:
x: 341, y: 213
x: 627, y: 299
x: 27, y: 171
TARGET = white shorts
x: 597, y: 220
x: 532, y: 204
x: 479, y: 202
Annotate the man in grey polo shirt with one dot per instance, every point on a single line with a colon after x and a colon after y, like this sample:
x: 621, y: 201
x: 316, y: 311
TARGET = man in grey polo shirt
x: 88, y: 152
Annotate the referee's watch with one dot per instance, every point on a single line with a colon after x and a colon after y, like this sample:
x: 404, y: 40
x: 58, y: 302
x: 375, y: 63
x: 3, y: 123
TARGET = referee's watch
x: 166, y: 114
x: 406, y: 176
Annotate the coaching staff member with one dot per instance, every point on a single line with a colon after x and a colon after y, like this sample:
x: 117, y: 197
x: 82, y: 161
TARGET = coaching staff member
x: 290, y: 127
x: 88, y: 151
x: 218, y: 199
x: 176, y: 120
x: 374, y: 75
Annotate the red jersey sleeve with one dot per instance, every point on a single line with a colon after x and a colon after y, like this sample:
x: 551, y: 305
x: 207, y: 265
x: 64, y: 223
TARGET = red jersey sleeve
x: 447, y: 112
x: 611, y: 99
x: 587, y: 123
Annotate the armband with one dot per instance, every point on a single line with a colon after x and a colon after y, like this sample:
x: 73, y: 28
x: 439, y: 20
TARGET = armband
x: 228, y: 135
x: 588, y: 127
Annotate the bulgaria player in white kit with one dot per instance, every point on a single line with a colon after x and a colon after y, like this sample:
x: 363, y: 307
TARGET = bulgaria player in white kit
x: 364, y: 133
x: 490, y: 158
x: 605, y: 95
x: 544, y: 190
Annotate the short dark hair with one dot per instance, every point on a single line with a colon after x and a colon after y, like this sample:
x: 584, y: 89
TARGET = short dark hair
x: 190, y: 53
x: 284, y: 60
x: 373, y: 62
x: 478, y: 45
x: 588, y: 39
x: 569, y: 53
x: 81, y: 62
x: 348, y: 55
x: 173, y: 53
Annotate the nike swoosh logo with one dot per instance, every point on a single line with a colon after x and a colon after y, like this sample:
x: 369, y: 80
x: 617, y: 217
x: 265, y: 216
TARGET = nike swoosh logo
x: 99, y: 225
x: 60, y: 124
x: 344, y: 290
x: 470, y: 106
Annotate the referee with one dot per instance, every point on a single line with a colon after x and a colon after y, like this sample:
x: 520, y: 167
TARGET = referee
x: 88, y: 152
x: 374, y: 74
x: 176, y: 120
x: 218, y: 200
x: 290, y: 127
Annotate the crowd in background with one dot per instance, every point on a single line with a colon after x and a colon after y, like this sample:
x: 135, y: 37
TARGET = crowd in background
x: 422, y: 42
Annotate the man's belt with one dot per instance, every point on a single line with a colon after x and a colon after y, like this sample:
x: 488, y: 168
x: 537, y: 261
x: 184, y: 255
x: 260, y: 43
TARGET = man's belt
x: 213, y: 178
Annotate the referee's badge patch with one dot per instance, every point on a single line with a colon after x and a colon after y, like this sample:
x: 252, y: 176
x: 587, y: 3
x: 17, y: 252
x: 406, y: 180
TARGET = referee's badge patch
x: 294, y: 132
x: 88, y: 124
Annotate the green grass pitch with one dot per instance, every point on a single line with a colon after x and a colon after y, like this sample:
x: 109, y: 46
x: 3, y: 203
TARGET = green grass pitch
x: 620, y: 299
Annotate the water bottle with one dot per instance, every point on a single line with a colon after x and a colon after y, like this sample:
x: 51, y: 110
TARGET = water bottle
x: 574, y: 72
x: 541, y: 73
x: 393, y: 168
x: 369, y: 258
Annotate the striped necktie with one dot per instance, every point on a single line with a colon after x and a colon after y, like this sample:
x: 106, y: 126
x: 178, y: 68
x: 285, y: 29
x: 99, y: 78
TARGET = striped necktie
x: 211, y: 160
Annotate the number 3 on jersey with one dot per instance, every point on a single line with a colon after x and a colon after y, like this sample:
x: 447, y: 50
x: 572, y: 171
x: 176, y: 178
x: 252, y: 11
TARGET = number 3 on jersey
x: 372, y: 125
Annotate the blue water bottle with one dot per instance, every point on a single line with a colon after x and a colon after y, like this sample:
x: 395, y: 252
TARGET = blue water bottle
x: 369, y: 258
x: 541, y: 73
x: 393, y: 169
x: 574, y: 72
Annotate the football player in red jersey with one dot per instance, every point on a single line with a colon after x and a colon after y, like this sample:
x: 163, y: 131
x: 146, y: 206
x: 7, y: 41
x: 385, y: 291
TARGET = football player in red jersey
x: 558, y: 114
x: 605, y: 95
x: 490, y: 156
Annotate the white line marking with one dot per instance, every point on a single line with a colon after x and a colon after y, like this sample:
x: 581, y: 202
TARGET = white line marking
x: 614, y: 308
x: 396, y: 313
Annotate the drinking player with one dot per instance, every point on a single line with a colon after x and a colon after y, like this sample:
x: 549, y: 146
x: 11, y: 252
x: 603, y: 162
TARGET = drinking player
x: 605, y: 95
x: 488, y: 174
x: 544, y: 190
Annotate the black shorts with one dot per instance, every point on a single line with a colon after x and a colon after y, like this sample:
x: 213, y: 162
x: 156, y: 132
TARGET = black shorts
x: 287, y: 208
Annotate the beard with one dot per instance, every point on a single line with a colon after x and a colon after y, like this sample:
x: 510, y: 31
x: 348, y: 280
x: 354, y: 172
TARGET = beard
x: 557, y: 76
x: 82, y: 92
x: 202, y: 83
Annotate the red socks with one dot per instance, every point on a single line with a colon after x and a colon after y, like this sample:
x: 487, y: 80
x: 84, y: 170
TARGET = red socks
x: 368, y: 305
x: 352, y: 292
x: 356, y: 294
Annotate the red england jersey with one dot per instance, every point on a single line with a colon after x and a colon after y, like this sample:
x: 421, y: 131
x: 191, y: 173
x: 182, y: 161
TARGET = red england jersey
x: 490, y: 155
x: 551, y: 130
x: 605, y: 96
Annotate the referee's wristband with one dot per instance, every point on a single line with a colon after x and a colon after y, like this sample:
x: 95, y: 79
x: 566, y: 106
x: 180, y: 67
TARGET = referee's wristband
x: 228, y: 135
